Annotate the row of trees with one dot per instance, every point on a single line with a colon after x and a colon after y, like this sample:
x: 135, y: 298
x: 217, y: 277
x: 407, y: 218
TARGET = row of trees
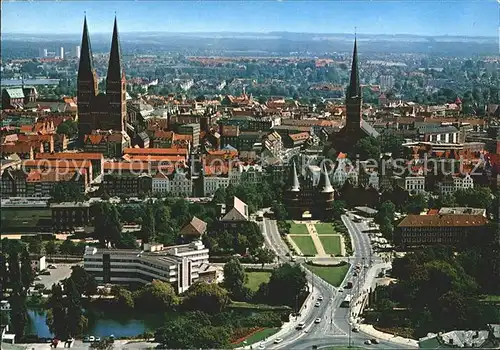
x: 286, y: 285
x: 440, y: 290
x: 65, y: 316
x: 16, y: 277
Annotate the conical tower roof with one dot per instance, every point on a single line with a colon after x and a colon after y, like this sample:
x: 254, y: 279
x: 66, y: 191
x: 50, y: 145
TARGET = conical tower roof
x: 294, y: 184
x: 115, y: 66
x: 324, y: 185
x: 354, y: 87
x: 86, y: 66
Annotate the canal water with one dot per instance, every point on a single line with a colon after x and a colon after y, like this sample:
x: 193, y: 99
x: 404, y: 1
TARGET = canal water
x: 101, y: 325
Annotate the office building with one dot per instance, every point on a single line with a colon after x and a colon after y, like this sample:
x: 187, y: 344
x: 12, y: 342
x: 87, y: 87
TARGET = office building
x: 61, y: 54
x: 180, y: 265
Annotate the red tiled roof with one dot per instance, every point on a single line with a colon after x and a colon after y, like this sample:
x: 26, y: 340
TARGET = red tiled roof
x: 456, y: 220
x: 71, y: 155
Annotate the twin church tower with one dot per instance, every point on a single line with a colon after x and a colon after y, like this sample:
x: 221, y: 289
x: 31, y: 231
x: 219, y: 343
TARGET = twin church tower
x: 99, y: 111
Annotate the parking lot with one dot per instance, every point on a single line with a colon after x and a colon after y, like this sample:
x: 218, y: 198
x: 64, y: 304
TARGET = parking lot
x: 61, y: 272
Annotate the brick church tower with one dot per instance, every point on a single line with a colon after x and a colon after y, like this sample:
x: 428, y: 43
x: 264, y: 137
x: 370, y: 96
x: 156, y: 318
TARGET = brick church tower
x: 99, y: 111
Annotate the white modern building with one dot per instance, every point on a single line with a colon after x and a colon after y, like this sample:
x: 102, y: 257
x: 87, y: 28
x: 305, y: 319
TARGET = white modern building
x: 386, y: 82
x: 61, y: 54
x: 180, y: 265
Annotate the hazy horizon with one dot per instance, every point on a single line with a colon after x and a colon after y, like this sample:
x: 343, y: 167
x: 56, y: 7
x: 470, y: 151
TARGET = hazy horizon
x: 471, y: 18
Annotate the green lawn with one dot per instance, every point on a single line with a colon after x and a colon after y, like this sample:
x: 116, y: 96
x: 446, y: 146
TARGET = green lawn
x: 305, y: 244
x: 331, y: 244
x: 324, y: 229
x: 331, y: 274
x: 298, y: 229
x: 256, y: 278
x: 257, y: 337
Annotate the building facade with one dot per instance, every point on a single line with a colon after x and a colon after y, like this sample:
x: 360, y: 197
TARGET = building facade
x: 180, y: 265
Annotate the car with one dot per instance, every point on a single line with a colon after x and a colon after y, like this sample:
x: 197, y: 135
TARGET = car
x: 97, y: 339
x: 278, y: 340
x: 52, y: 267
x: 318, y: 320
x: 375, y: 341
x: 355, y: 274
x: 91, y: 339
x: 38, y: 278
x: 341, y: 290
x: 355, y: 329
x: 368, y: 342
x: 317, y: 304
x: 301, y: 325
x: 86, y: 339
x: 320, y: 298
x: 261, y: 347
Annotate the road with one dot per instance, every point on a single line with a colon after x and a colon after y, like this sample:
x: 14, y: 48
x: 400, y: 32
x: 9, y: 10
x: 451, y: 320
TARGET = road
x: 335, y: 325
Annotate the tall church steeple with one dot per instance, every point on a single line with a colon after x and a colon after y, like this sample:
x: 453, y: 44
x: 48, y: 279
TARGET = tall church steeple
x: 86, y: 86
x: 114, y: 66
x: 354, y: 87
x: 115, y: 86
x: 353, y: 98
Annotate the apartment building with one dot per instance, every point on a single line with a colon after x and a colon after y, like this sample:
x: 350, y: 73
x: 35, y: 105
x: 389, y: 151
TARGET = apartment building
x: 180, y: 265
x: 444, y: 227
x: 452, y: 183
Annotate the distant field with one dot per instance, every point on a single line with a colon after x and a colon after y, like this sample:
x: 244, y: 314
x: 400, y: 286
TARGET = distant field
x: 298, y: 229
x: 331, y: 274
x: 25, y: 219
x: 305, y: 244
x: 331, y: 244
x: 256, y: 278
x: 324, y: 229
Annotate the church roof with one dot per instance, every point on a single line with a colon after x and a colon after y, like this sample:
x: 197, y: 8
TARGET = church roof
x: 354, y: 86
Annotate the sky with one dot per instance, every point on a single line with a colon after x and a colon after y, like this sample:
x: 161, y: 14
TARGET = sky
x: 418, y: 17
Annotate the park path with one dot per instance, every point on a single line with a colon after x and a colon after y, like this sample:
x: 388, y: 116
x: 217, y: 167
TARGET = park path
x: 317, y: 242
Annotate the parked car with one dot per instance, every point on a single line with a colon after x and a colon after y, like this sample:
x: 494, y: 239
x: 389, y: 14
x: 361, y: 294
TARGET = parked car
x: 368, y: 342
x: 91, y: 339
x: 318, y: 320
x: 86, y: 339
x: 317, y: 304
x: 320, y: 298
x: 375, y: 341
x: 261, y: 347
x: 278, y: 340
x: 52, y: 267
x: 301, y: 325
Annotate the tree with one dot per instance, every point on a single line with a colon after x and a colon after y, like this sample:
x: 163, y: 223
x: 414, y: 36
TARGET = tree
x: 286, y: 284
x: 35, y: 245
x: 84, y: 282
x: 480, y: 197
x: 156, y: 296
x: 366, y: 148
x: 265, y: 256
x: 51, y: 248
x: 27, y: 274
x: 416, y: 204
x: 338, y: 209
x: 19, y: 313
x: 279, y: 211
x: 148, y: 226
x: 206, y: 297
x: 56, y: 315
x: 123, y: 297
x: 75, y: 320
x: 234, y: 277
x: 67, y: 247
x: 107, y: 226
x: 386, y: 212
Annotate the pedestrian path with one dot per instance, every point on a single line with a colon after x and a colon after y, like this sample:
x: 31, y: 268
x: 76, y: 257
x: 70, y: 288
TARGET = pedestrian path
x: 317, y: 243
x: 294, y: 245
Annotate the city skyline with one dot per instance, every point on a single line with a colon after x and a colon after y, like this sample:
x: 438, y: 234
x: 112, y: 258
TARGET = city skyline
x: 448, y: 18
